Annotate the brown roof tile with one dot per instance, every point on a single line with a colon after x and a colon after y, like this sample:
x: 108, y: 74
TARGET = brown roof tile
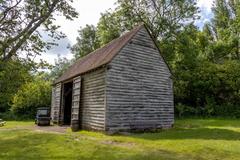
x: 98, y: 57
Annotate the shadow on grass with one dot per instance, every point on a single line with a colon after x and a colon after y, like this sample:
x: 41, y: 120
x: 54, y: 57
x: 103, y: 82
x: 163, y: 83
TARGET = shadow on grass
x: 191, y: 133
x: 29, y: 146
x: 207, y: 122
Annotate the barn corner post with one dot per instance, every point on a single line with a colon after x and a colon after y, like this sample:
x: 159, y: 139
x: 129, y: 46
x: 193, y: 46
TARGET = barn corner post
x: 75, y: 119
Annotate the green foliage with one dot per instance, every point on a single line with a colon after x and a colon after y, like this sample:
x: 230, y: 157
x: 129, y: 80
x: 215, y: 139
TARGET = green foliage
x: 209, y: 110
x: 227, y: 110
x: 225, y: 30
x: 209, y: 85
x: 9, y: 115
x: 109, y: 27
x: 184, y: 110
x: 61, y: 65
x: 20, y: 23
x: 164, y: 19
x: 206, y: 70
x: 31, y: 96
x: 87, y: 41
x: 12, y: 75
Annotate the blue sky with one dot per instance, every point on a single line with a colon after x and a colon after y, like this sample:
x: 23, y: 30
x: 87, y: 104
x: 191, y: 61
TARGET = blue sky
x: 89, y: 13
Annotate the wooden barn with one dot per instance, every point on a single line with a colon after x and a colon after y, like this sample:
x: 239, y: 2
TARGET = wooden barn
x: 125, y: 85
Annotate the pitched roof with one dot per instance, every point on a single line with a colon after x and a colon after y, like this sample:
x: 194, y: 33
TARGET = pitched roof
x: 98, y: 57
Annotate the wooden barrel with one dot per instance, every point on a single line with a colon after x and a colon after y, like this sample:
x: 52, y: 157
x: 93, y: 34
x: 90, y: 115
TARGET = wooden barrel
x: 75, y: 125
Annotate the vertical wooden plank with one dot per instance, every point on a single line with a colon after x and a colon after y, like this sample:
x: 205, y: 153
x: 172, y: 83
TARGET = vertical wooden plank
x: 105, y: 100
x: 61, y: 109
x: 56, y: 102
x: 75, y: 121
x: 52, y: 102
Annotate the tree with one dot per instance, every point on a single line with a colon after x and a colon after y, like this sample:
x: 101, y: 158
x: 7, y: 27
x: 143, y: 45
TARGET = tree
x: 31, y: 96
x: 109, y: 26
x: 187, y: 57
x: 12, y: 75
x: 225, y: 30
x: 164, y: 19
x: 87, y: 41
x: 23, y: 21
x: 61, y: 65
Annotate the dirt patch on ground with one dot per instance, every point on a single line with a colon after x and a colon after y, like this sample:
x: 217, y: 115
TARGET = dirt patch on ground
x: 49, y: 129
x: 54, y: 129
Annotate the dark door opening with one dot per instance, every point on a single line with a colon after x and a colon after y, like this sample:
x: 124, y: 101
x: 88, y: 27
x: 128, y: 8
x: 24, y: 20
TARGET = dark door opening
x: 67, y: 103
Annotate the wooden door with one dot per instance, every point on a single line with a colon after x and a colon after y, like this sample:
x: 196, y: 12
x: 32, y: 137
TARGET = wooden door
x: 75, y: 119
x: 56, y: 102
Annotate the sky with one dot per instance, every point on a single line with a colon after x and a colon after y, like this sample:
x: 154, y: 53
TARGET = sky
x: 89, y: 13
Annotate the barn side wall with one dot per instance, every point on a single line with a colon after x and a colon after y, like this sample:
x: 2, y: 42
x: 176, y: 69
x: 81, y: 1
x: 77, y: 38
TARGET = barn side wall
x: 139, y: 88
x: 92, y: 101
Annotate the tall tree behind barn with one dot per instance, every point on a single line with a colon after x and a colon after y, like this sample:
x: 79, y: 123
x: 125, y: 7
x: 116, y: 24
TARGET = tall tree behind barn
x: 122, y: 86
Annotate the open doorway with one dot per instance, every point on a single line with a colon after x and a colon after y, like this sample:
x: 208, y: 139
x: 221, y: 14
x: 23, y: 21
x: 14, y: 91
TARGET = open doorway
x: 67, y: 103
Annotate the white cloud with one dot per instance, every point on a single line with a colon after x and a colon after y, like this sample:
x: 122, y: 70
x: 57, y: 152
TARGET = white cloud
x: 207, y: 4
x: 89, y: 13
x: 205, y: 11
x: 50, y: 58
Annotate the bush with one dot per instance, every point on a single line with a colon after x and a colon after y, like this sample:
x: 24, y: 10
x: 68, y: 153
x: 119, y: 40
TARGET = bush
x: 31, y: 96
x: 184, y: 110
x: 11, y: 116
x: 210, y: 110
x: 227, y: 110
x: 209, y: 89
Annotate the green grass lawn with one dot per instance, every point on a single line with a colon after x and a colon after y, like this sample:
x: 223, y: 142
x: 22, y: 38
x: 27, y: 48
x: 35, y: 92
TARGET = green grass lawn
x: 207, y: 139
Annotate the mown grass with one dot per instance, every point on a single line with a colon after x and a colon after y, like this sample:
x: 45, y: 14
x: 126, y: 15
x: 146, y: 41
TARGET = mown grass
x: 190, y: 139
x: 18, y: 124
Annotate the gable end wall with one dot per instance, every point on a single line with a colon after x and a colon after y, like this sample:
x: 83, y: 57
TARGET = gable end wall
x: 139, y: 87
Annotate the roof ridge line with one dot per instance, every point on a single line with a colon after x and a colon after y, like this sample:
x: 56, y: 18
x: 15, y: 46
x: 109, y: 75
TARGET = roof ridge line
x: 98, y: 57
x: 137, y: 29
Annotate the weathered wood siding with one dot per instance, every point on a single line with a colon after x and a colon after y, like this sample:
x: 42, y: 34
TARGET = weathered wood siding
x: 139, y: 87
x: 56, y: 102
x: 76, y: 99
x: 92, y: 101
x: 52, y: 102
x: 61, y: 109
